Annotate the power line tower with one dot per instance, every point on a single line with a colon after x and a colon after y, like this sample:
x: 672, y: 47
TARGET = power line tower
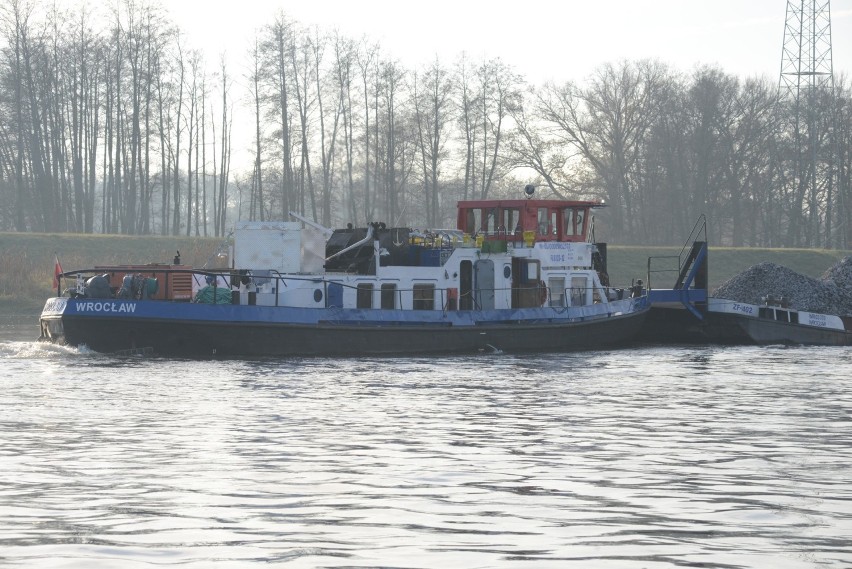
x: 806, y: 93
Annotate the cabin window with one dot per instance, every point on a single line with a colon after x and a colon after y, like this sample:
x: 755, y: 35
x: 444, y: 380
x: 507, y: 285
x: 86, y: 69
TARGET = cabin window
x: 546, y: 221
x: 491, y: 221
x: 570, y: 222
x: 578, y: 291
x: 511, y: 222
x: 364, y: 295
x: 388, y: 296
x: 531, y: 272
x: 473, y: 221
x: 573, y: 219
x: 542, y: 221
x: 557, y: 291
x: 424, y: 297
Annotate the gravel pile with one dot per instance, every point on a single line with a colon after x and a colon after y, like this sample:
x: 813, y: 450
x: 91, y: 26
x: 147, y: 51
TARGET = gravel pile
x: 841, y: 275
x: 832, y: 294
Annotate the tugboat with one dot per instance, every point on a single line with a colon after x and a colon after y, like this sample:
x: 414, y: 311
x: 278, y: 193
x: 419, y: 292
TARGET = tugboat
x: 513, y: 276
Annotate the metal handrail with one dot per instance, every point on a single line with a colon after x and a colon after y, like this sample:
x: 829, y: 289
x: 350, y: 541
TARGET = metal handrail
x: 278, y: 278
x: 699, y: 229
x: 650, y: 272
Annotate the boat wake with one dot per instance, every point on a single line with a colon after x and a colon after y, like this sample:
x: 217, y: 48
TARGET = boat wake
x: 39, y: 350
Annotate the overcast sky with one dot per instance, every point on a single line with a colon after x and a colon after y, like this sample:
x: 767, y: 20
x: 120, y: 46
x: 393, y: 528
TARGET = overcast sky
x: 543, y: 40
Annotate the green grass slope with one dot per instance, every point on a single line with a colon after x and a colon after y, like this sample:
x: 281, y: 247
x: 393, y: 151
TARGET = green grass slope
x: 626, y: 263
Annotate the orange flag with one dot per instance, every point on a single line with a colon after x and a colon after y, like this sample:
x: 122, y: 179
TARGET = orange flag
x: 57, y: 270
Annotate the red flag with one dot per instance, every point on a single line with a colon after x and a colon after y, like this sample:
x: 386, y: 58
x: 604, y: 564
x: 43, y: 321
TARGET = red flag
x: 57, y: 269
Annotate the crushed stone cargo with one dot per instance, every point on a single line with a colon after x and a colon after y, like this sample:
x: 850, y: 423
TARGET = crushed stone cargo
x: 831, y: 294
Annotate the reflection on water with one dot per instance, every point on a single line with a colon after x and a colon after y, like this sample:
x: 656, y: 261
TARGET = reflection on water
x: 708, y: 457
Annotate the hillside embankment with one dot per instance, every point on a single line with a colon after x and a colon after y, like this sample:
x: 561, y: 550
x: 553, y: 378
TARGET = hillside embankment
x: 26, y: 261
x: 626, y: 263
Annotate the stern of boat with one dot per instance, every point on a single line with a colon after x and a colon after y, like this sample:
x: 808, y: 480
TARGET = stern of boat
x: 50, y: 321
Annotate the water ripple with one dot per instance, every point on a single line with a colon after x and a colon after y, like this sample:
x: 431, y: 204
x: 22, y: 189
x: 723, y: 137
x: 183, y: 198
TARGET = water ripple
x: 675, y: 457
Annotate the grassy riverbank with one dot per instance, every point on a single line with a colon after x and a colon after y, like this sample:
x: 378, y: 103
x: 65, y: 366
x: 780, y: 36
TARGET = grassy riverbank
x: 26, y: 261
x: 626, y: 263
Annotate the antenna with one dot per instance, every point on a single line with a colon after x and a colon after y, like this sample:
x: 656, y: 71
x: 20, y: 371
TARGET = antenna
x: 806, y: 95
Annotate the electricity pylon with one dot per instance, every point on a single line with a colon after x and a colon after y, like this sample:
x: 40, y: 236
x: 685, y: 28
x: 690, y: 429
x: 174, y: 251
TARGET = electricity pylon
x: 806, y: 91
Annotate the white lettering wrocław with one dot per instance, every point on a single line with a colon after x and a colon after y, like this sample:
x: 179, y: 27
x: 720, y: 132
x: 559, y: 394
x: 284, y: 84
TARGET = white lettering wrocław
x: 90, y: 306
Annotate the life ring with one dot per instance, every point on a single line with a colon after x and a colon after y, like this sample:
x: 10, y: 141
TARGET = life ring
x: 543, y: 292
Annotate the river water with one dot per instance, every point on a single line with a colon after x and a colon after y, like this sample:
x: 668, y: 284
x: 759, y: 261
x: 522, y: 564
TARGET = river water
x: 643, y: 457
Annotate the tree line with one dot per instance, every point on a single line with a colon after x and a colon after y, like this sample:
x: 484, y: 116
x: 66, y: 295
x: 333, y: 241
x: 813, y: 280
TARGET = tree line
x: 111, y: 123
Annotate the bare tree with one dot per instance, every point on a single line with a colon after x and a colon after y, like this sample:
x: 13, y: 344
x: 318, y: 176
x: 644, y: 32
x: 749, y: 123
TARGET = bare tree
x: 469, y: 120
x: 302, y: 70
x: 224, y: 156
x: 432, y: 116
x: 498, y: 95
x: 345, y: 55
x: 367, y: 56
x: 255, y: 78
x: 531, y: 147
x: 178, y: 129
x: 280, y: 47
x: 607, y: 123
x: 330, y: 113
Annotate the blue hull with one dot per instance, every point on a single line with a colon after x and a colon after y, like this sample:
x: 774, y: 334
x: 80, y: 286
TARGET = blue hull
x: 205, y: 330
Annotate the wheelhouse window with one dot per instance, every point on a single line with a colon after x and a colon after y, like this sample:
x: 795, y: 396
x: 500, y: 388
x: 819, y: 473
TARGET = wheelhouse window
x: 491, y: 221
x: 578, y: 291
x: 364, y: 295
x: 388, y: 296
x: 573, y: 223
x: 570, y: 222
x: 557, y: 291
x: 424, y: 296
x: 473, y: 221
x: 511, y: 221
x: 547, y: 221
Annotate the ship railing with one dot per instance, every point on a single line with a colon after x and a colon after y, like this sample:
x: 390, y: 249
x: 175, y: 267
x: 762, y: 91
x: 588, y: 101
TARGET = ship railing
x: 683, y: 258
x: 669, y: 260
x: 448, y: 294
x: 500, y: 232
x: 443, y: 295
x: 547, y: 296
